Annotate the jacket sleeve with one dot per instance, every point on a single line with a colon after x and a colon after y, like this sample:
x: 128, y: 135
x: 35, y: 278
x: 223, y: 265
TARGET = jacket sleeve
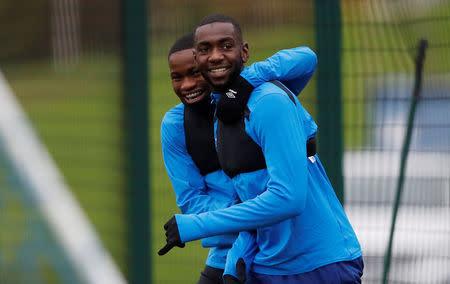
x: 244, y: 247
x: 275, y: 124
x: 294, y: 67
x: 188, y: 184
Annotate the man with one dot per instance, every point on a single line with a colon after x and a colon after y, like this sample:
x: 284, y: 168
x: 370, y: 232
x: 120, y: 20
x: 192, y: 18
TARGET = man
x: 303, y: 234
x: 187, y: 138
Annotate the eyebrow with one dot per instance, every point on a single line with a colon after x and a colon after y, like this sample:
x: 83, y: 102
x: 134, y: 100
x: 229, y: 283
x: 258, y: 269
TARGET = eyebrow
x: 220, y: 41
x: 226, y: 39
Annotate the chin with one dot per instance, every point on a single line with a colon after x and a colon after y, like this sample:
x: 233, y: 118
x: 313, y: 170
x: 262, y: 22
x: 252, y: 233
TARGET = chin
x: 220, y: 85
x: 224, y: 82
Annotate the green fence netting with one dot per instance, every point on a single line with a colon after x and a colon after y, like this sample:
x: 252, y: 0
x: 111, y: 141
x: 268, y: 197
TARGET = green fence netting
x: 62, y: 60
x: 380, y: 40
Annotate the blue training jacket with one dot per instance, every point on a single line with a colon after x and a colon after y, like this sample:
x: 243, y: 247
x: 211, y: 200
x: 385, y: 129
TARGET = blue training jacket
x: 300, y: 223
x: 196, y: 193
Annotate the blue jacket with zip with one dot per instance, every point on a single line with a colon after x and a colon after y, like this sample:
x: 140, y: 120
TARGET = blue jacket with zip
x: 196, y: 193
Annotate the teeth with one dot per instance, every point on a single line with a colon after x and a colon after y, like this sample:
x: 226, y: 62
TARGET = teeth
x: 193, y: 95
x: 218, y: 70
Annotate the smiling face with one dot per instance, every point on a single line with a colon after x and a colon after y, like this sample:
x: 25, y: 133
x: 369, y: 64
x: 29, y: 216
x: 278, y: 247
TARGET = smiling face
x: 220, y: 53
x: 187, y: 81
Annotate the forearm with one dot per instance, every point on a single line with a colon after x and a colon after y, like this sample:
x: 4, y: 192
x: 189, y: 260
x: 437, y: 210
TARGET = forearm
x: 258, y: 212
x: 226, y: 240
x: 293, y: 66
x: 203, y: 203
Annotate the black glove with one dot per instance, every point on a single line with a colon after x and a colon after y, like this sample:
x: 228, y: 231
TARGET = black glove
x: 172, y: 236
x: 233, y: 101
x: 240, y: 271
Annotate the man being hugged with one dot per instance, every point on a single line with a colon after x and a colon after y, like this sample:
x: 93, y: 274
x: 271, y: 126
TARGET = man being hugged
x: 187, y: 137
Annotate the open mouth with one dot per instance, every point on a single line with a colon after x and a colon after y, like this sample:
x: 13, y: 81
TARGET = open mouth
x: 194, y: 97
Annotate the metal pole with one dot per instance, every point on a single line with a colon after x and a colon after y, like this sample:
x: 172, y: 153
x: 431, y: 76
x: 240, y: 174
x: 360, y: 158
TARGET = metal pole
x: 404, y: 154
x: 135, y: 63
x: 329, y: 109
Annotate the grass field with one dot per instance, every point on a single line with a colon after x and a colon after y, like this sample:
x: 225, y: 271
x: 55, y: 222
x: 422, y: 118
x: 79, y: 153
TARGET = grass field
x: 77, y: 113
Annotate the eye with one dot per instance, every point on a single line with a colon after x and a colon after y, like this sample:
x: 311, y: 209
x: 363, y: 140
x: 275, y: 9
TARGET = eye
x: 196, y: 72
x: 202, y: 49
x: 176, y: 78
x: 227, y: 46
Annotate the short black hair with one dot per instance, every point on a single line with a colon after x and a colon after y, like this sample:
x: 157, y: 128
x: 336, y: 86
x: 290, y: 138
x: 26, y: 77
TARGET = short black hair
x: 184, y: 42
x: 222, y: 18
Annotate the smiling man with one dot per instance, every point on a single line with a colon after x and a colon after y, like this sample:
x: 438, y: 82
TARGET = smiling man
x: 263, y: 133
x: 187, y: 82
x: 224, y: 62
x: 187, y: 137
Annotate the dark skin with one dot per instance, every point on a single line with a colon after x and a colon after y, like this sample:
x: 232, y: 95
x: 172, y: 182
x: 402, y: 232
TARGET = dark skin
x: 220, y: 53
x: 187, y: 81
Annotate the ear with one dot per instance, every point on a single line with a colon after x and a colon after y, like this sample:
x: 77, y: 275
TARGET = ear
x: 245, y: 53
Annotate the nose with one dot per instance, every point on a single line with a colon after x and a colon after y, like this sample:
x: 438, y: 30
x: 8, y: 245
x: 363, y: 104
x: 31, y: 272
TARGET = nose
x: 216, y: 56
x: 188, y: 84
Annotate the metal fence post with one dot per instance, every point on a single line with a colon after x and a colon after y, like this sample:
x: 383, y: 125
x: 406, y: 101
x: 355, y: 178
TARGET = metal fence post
x: 329, y: 110
x: 423, y: 43
x: 135, y: 76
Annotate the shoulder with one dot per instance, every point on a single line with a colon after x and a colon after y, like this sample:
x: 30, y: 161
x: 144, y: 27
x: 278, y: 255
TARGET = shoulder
x: 174, y: 117
x: 271, y: 111
x: 174, y: 114
x: 173, y: 122
x: 272, y: 97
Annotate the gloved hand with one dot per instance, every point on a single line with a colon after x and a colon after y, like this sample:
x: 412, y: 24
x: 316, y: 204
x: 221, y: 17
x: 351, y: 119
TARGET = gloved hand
x: 240, y: 271
x: 233, y: 101
x: 172, y: 236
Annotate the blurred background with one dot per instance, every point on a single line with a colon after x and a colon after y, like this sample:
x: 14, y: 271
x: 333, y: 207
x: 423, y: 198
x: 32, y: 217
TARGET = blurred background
x: 67, y: 73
